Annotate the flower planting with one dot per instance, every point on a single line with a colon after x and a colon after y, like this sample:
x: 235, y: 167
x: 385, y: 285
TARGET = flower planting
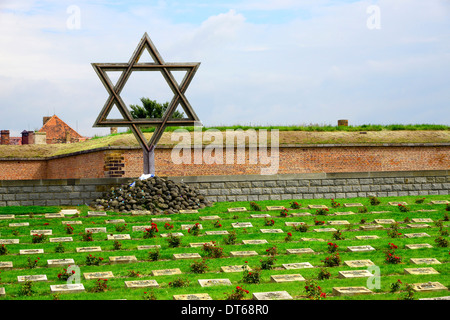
x: 151, y: 232
x: 335, y: 204
x: 38, y: 238
x: 332, y: 261
x: 199, y: 266
x: 402, y: 208
x: 69, y: 229
x: 313, y: 290
x: 174, y: 241
x: 391, y: 257
x: 238, y: 294
x: 64, y: 275
x: 322, y: 211
x: 268, y: 222
x: 195, y: 229
x: 284, y: 213
x: 251, y: 276
x: 212, y: 250
x: 93, y: 260
x: 295, y: 205
x: 393, y: 231
x: 255, y: 207
x: 168, y: 226
x: 332, y: 247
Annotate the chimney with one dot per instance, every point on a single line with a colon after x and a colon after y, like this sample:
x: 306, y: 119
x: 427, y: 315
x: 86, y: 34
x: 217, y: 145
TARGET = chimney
x: 24, y: 137
x: 45, y: 119
x: 4, y: 139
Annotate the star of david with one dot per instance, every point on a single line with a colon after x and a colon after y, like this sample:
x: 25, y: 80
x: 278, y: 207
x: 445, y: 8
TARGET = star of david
x: 158, y: 65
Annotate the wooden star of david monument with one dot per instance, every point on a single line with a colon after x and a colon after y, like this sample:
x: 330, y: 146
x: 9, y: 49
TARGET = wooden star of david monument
x: 159, y: 123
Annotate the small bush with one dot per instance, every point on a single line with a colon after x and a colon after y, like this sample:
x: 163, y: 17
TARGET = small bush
x: 363, y: 209
x: 332, y: 247
x: 403, y: 208
x: 26, y: 289
x: 237, y: 294
x: 195, y: 229
x: 64, y: 275
x: 179, y: 282
x: 323, y: 274
x: 318, y: 222
x: 231, y: 238
x: 3, y: 250
x: 151, y: 232
x: 420, y: 200
x: 100, y: 286
x: 154, y: 255
x: 332, y: 261
x: 255, y: 207
x: 32, y: 263
x: 301, y: 227
x: 38, y: 238
x: 174, y: 241
x: 335, y: 204
x: 212, y: 250
x: 284, y: 213
x: 149, y: 296
x: 93, y: 260
x: 251, y: 277
x: 322, y: 211
x: 288, y: 237
x: 396, y: 286
x: 69, y: 229
x: 268, y: 222
x: 168, y: 226
x: 199, y: 266
x: 86, y: 236
x: 391, y: 257
x: 337, y: 235
x: 393, y: 231
x: 441, y: 242
x: 60, y: 248
x: 314, y: 291
x: 374, y: 201
x: 121, y: 228
x: 295, y: 205
x: 267, y: 263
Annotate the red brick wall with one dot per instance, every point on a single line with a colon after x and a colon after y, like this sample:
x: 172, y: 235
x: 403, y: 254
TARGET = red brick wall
x: 129, y: 163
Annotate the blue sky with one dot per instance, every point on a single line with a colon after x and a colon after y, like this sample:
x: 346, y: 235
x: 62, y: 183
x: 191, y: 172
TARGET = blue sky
x: 279, y: 62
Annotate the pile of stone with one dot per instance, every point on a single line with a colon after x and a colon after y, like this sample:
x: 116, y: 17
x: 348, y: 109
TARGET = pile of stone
x: 157, y: 195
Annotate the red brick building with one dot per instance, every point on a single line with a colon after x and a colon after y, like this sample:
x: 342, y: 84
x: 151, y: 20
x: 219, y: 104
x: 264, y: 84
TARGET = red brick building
x: 59, y: 132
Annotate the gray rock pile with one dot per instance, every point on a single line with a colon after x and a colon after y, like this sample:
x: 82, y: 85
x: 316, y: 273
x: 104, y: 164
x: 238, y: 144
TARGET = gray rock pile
x: 155, y: 194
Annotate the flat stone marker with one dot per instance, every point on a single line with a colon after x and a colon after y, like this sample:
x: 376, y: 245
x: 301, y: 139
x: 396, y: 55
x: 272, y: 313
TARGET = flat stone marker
x: 199, y: 244
x: 421, y: 220
x: 379, y: 211
x: 425, y: 261
x: 359, y: 263
x: 38, y: 277
x: 325, y: 230
x: 210, y: 218
x: 240, y: 209
x: 349, y: 205
x: 396, y: 203
x: 271, y: 230
x: 292, y: 224
x: 418, y: 246
x: 242, y: 225
x: 260, y: 215
x: 367, y: 237
x: 428, y: 286
x: 426, y: 210
x: 343, y: 213
x: 274, y: 208
x: 300, y: 265
x: 166, y: 272
x: 418, y: 225
x: 60, y: 262
x: 69, y: 212
x: 161, y: 219
x: 299, y: 251
x: 286, y: 278
x: 178, y: 256
x: 72, y: 222
x: 6, y: 216
x: 350, y: 291
x: 31, y: 251
x: 67, y: 288
x: 6, y: 265
x: 437, y: 298
x: 9, y: 241
x: 98, y: 275
x: 114, y: 221
x: 61, y: 239
x: 416, y: 235
x: 140, y: 228
x: 262, y: 241
x: 360, y: 248
x: 219, y: 232
x: 371, y: 227
x: 338, y: 222
x: 192, y: 296
x: 95, y: 230
x: 122, y: 259
x: 300, y: 214
x: 214, y: 282
x: 439, y: 201
x: 154, y: 246
x: 176, y: 234
x: 2, y: 292
x: 189, y: 226
x: 141, y: 284
x: 46, y: 232
x: 421, y: 271
x: 89, y: 249
x: 20, y: 224
x: 239, y: 268
x: 96, y: 214
x: 317, y: 206
x: 384, y: 221
x: 312, y: 239
x: 188, y: 211
x: 273, y: 295
x: 118, y: 237
x: 53, y: 215
x: 355, y: 274
x: 243, y: 253
x: 140, y: 213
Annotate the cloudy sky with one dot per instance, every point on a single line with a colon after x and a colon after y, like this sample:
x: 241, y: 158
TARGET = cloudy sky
x: 277, y: 62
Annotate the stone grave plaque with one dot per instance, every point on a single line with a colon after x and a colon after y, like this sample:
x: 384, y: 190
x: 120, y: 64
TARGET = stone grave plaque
x: 239, y: 268
x: 61, y: 239
x: 367, y: 237
x: 274, y: 208
x: 140, y: 228
x: 350, y: 291
x: 260, y: 215
x: 214, y: 282
x: 343, y: 213
x: 98, y: 275
x: 359, y: 263
x: 300, y: 214
x: 262, y: 241
x: 355, y: 274
x: 242, y: 225
x: 273, y: 295
x: 437, y: 298
x: 317, y: 206
x: 420, y: 271
x: 2, y: 292
x: 286, y: 278
x: 37, y: 277
x: 53, y: 215
x: 396, y: 203
x: 421, y: 220
x: 178, y: 256
x: 325, y: 230
x: 338, y: 222
x: 60, y: 262
x: 96, y: 214
x: 20, y: 224
x: 122, y: 259
x: 166, y: 272
x: 140, y: 213
x: 240, y: 209
x: 243, y: 253
x: 46, y: 232
x: 148, y: 247
x: 69, y: 212
x: 371, y: 227
x: 9, y: 241
x: 312, y: 239
x: 89, y: 249
x: 416, y: 235
x: 161, y: 219
x: 428, y: 286
x: 418, y: 225
x: 71, y: 222
x: 271, y: 230
x: 349, y: 205
x: 300, y: 265
x: 67, y: 288
x: 439, y: 201
x: 95, y: 230
x: 292, y: 224
x: 384, y: 221
x: 379, y: 211
x: 199, y: 244
x: 426, y: 210
x: 418, y: 246
x: 118, y: 237
x: 176, y: 234
x: 425, y: 261
x: 188, y: 211
x: 31, y: 251
x: 210, y: 218
x: 360, y: 248
x: 6, y: 265
x: 114, y: 221
x: 188, y: 226
x: 192, y: 296
x: 141, y: 284
x: 299, y: 251
x: 219, y: 232
x: 6, y: 216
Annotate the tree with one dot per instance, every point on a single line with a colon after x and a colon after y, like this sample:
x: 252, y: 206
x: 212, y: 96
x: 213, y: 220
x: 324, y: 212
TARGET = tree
x: 152, y: 109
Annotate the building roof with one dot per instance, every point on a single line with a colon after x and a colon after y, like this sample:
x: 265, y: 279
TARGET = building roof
x: 55, y: 128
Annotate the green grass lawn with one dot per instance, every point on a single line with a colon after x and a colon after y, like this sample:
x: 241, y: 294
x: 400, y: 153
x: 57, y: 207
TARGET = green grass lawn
x: 389, y: 273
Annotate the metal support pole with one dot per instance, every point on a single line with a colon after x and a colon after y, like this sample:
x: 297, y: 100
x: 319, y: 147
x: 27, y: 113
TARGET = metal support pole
x: 149, y: 161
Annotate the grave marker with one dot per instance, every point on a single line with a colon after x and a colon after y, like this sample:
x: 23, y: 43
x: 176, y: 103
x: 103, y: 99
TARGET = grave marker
x: 6, y: 216
x: 96, y: 214
x: 188, y: 211
x: 343, y: 213
x: 440, y: 202
x: 122, y: 259
x: 60, y: 262
x: 46, y: 232
x: 396, y: 203
x: 178, y: 256
x: 2, y: 292
x: 242, y: 225
x: 317, y: 206
x: 299, y: 251
x: 71, y: 222
x: 367, y: 237
x: 61, y: 239
x: 422, y: 220
x: 338, y: 222
x: 359, y: 263
x: 263, y: 241
x: 300, y: 214
x: 350, y: 291
x: 118, y: 237
x: 349, y: 205
x: 425, y: 261
x: 360, y: 248
x: 355, y: 274
x: 271, y: 230
x: 192, y: 296
x: 239, y: 268
x: 37, y: 277
x: 114, y: 221
x: 273, y: 295
x: 189, y: 226
x: 154, y: 246
x: 176, y: 234
x: 166, y: 272
x: 199, y: 244
x: 219, y: 232
x: 141, y: 284
x: 286, y: 278
x: 371, y: 227
x: 312, y: 239
x: 89, y: 249
x: 53, y: 215
x: 243, y: 253
x: 384, y: 221
x: 9, y: 241
x: 300, y: 265
x: 69, y: 212
x: 214, y: 282
x: 161, y: 219
x: 140, y: 213
x: 428, y: 286
x: 420, y: 271
x: 275, y: 208
x: 416, y: 235
x: 20, y: 224
x: 418, y: 225
x: 260, y: 215
x: 210, y: 218
x: 31, y: 251
x: 325, y: 230
x: 98, y: 275
x: 6, y: 265
x: 240, y: 209
x: 95, y: 230
x: 67, y: 288
x: 418, y: 246
x: 292, y: 224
